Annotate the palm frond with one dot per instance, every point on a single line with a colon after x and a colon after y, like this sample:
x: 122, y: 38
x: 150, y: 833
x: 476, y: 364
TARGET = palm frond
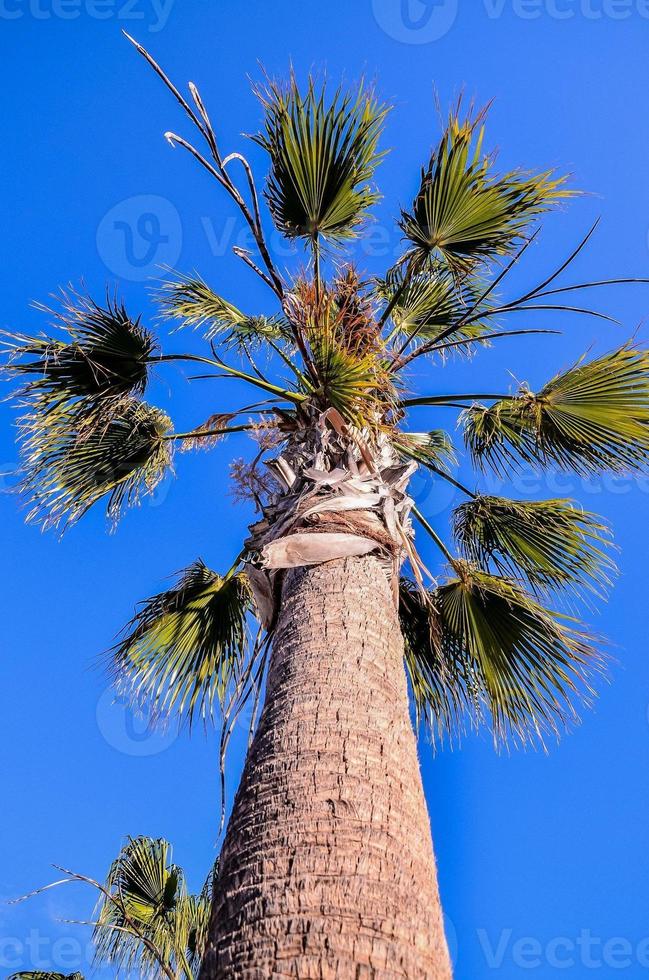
x: 592, y: 418
x: 323, y: 153
x: 103, y: 353
x: 435, y: 686
x: 72, y: 459
x: 433, y: 449
x: 192, y: 301
x: 44, y: 975
x: 184, y: 646
x: 551, y: 542
x: 505, y: 655
x: 430, y: 303
x: 197, y: 913
x: 148, y: 899
x: 464, y: 212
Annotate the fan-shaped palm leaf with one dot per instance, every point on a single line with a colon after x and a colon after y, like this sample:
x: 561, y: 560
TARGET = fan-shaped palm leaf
x: 433, y: 449
x: 436, y: 687
x: 430, y: 303
x: 194, y: 303
x: 44, y: 975
x: 184, y: 646
x: 72, y: 459
x: 104, y: 354
x: 322, y: 156
x: 147, y: 900
x: 481, y: 644
x: 591, y: 418
x: 551, y: 542
x: 464, y: 212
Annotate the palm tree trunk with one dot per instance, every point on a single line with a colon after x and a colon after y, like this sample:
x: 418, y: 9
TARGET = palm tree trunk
x: 327, y: 869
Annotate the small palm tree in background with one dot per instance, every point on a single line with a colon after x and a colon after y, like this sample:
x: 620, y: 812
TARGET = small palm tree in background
x: 146, y: 922
x: 327, y: 867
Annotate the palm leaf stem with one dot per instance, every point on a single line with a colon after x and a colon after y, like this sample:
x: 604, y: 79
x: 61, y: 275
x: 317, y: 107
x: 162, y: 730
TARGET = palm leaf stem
x: 289, y: 363
x: 450, y: 479
x: 447, y: 399
x: 272, y: 279
x: 555, y: 275
x: 206, y: 433
x: 515, y: 308
x: 591, y: 285
x: 259, y: 382
x: 502, y: 274
x: 315, y: 245
x: 170, y: 85
x: 473, y: 315
x: 221, y: 175
x: 433, y: 346
x: 244, y: 255
x: 492, y: 336
x: 391, y: 305
x: 251, y: 183
x: 434, y: 535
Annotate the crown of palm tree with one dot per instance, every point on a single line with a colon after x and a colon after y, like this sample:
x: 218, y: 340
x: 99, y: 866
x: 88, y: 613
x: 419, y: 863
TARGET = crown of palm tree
x: 332, y: 425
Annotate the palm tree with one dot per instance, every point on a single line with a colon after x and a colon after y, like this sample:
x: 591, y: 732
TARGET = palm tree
x: 146, y: 922
x: 327, y: 867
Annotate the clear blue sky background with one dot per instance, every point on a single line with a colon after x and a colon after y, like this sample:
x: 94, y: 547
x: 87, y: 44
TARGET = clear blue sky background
x: 552, y: 848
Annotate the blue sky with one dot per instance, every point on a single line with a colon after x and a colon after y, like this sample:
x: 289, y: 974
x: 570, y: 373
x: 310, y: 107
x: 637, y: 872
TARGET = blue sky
x: 542, y: 857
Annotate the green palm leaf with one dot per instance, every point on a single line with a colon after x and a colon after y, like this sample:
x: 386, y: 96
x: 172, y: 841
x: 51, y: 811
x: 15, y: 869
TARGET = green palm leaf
x: 184, y: 646
x: 104, y: 354
x: 197, y: 305
x: 551, y: 542
x: 44, y: 975
x: 197, y: 914
x: 429, y: 303
x: 71, y: 458
x: 433, y: 449
x: 148, y: 900
x: 322, y: 156
x: 591, y: 418
x: 503, y: 654
x: 464, y: 212
x: 435, y: 684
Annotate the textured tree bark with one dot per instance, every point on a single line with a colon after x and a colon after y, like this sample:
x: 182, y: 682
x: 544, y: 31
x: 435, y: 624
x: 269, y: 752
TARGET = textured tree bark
x: 327, y: 870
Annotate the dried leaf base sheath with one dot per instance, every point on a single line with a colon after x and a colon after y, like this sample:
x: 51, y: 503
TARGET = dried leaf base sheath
x: 327, y: 870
